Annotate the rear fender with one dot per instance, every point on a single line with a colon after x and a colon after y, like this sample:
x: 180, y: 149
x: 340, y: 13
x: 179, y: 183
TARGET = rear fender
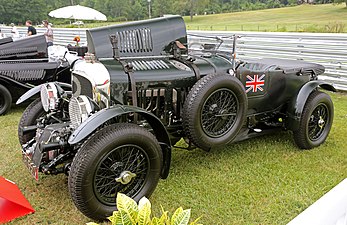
x: 296, y: 107
x: 35, y: 90
x: 92, y: 123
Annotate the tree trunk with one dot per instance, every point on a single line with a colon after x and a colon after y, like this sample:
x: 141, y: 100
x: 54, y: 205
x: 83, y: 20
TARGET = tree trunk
x: 192, y: 9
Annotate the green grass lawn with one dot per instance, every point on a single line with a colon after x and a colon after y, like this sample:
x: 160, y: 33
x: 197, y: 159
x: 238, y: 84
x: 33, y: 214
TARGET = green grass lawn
x: 266, y: 180
x: 303, y: 18
x: 310, y: 18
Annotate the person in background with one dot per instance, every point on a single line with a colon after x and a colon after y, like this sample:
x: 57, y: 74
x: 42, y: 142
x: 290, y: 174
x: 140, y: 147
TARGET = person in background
x: 14, y: 31
x: 2, y: 35
x: 48, y: 33
x: 31, y: 29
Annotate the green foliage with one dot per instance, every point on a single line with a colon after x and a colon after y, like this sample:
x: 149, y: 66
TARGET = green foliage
x: 129, y: 213
x: 19, y: 11
x: 340, y: 1
x: 36, y: 10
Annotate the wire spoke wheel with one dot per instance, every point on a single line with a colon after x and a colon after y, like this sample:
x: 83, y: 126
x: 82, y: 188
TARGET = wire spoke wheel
x: 219, y: 112
x: 124, y: 169
x: 123, y: 158
x: 315, y: 122
x: 214, y: 110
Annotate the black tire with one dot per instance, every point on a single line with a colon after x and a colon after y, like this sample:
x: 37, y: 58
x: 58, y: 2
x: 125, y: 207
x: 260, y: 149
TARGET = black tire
x: 315, y: 122
x: 29, y: 117
x: 103, y: 158
x: 205, y: 119
x: 5, y: 100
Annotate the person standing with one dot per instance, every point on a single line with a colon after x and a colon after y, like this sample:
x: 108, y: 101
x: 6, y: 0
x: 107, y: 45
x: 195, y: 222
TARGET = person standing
x: 48, y: 33
x: 31, y: 29
x: 14, y: 31
x: 2, y: 35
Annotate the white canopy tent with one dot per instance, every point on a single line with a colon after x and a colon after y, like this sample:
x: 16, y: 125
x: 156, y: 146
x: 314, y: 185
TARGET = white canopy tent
x: 77, y: 12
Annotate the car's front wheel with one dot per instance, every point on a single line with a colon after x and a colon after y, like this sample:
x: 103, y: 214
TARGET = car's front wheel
x: 315, y: 122
x: 5, y: 100
x: 122, y: 158
x: 29, y: 119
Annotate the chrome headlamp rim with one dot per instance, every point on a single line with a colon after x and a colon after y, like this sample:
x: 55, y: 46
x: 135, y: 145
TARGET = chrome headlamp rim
x: 49, y: 96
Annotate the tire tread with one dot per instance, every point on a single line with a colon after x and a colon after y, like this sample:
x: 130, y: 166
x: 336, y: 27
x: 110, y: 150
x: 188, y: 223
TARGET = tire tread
x: 300, y: 135
x: 90, y: 148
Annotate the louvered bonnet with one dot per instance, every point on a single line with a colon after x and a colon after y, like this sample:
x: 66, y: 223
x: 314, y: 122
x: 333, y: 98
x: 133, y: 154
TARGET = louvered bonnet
x: 30, y: 47
x: 152, y: 37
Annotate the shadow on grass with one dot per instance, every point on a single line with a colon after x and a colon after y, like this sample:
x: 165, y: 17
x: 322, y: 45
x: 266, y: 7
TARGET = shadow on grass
x: 280, y: 142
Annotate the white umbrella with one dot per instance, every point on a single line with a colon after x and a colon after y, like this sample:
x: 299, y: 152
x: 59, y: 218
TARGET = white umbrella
x: 77, y: 12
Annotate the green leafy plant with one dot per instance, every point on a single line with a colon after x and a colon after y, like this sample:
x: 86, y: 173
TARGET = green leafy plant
x: 129, y: 213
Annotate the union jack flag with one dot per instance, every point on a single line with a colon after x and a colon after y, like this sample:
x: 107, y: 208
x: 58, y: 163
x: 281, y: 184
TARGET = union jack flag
x: 254, y: 84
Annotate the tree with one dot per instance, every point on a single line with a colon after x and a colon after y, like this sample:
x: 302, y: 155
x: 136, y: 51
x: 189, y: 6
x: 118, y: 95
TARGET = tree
x: 191, y: 9
x: 14, y: 12
x: 116, y: 8
x: 196, y: 6
x: 136, y: 10
x: 161, y: 7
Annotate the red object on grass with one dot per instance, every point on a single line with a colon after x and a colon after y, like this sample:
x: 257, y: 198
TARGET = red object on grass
x: 12, y: 202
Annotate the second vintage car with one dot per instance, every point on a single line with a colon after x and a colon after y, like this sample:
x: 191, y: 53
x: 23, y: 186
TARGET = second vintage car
x: 26, y: 63
x: 139, y: 91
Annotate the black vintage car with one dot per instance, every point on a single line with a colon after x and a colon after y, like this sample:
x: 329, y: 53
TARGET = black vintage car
x: 25, y: 63
x: 139, y: 91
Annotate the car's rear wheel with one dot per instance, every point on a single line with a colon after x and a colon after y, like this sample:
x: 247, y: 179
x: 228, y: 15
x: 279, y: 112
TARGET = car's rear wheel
x: 5, y: 100
x: 122, y: 158
x: 214, y: 110
x: 29, y: 119
x: 315, y: 122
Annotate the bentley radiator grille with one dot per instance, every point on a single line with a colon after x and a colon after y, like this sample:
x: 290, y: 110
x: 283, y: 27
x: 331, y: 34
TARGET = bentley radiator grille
x: 74, y: 112
x: 81, y: 86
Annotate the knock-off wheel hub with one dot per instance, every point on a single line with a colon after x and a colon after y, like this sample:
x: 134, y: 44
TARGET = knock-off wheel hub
x: 321, y: 122
x: 125, y: 177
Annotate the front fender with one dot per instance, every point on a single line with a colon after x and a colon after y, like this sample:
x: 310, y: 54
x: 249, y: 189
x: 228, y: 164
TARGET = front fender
x: 30, y: 93
x: 92, y: 123
x: 297, y: 105
x: 35, y: 90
